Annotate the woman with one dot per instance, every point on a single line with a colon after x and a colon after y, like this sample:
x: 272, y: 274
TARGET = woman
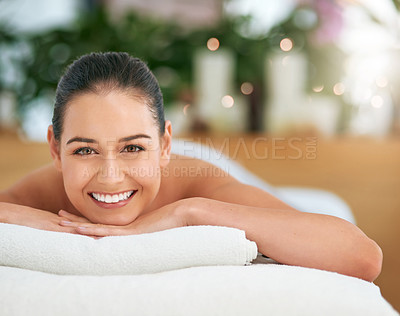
x: 113, y: 174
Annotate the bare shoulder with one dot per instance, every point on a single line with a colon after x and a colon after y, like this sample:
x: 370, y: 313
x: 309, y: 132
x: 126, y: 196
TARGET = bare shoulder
x: 192, y: 177
x: 43, y: 188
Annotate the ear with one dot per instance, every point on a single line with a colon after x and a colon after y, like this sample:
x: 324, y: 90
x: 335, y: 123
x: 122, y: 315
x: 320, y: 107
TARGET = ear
x: 54, y: 148
x: 166, y: 144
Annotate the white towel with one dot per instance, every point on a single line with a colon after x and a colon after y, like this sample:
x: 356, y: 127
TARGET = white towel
x: 64, y: 253
x: 255, y: 290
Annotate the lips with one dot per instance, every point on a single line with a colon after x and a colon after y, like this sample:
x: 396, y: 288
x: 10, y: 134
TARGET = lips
x: 110, y: 200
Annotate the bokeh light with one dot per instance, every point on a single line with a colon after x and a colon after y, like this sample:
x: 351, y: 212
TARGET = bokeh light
x: 286, y: 44
x: 213, y: 44
x: 246, y: 88
x: 377, y: 101
x: 338, y: 88
x: 318, y: 88
x: 227, y: 101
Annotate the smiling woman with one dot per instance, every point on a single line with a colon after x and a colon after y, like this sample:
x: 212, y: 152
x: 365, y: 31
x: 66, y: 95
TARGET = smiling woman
x: 114, y: 174
x: 96, y: 163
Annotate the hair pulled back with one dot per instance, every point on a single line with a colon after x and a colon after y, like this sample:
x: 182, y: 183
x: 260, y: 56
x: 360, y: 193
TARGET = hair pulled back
x: 104, y: 73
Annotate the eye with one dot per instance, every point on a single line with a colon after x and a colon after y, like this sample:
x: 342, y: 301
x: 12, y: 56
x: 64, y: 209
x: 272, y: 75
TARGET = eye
x: 84, y: 151
x: 132, y: 148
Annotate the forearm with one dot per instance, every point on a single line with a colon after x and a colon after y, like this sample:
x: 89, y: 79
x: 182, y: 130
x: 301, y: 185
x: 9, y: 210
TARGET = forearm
x: 296, y: 238
x: 10, y: 212
x: 27, y: 216
x: 11, y: 209
x: 20, y: 214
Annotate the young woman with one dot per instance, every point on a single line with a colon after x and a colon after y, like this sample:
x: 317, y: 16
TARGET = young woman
x: 113, y: 174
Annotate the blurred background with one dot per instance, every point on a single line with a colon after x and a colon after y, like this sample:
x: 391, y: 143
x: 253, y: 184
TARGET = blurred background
x: 243, y: 68
x: 325, y: 67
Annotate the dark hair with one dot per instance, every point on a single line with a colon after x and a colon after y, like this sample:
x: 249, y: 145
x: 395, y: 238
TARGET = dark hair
x: 103, y: 73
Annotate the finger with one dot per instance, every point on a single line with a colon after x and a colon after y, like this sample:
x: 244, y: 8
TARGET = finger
x: 72, y: 230
x: 61, y: 229
x: 72, y: 226
x: 72, y: 217
x: 101, y: 230
x: 67, y: 223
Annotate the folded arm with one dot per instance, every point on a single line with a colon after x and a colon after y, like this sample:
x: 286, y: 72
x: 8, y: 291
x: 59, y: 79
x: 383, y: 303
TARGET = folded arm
x: 292, y: 237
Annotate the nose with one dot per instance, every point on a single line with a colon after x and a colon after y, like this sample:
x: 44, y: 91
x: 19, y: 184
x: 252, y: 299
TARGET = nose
x: 111, y: 171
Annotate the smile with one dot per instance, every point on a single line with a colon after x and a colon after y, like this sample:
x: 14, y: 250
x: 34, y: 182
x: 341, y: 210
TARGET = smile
x: 112, y: 198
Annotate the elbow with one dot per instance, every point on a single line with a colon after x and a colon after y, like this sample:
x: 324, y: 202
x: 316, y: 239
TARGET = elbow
x: 370, y: 262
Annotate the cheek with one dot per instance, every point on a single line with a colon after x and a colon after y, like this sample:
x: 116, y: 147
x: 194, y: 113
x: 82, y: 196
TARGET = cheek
x: 76, y: 176
x: 146, y: 172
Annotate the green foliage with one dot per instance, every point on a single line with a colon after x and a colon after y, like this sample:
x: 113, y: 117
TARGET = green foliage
x: 397, y: 4
x: 166, y: 47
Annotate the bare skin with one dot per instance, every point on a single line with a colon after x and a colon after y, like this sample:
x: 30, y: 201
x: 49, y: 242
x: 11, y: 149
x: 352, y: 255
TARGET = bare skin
x: 94, y: 157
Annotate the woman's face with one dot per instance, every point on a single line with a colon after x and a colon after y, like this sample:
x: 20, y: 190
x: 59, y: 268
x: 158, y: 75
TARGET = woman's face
x: 111, y: 156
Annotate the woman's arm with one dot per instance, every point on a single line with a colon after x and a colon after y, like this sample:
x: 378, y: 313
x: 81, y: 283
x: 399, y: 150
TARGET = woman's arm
x: 284, y: 233
x: 296, y: 238
x: 12, y: 212
x: 27, y: 216
x: 35, y: 200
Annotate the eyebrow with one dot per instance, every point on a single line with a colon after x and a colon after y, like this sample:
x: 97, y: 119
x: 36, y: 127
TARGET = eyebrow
x: 93, y: 141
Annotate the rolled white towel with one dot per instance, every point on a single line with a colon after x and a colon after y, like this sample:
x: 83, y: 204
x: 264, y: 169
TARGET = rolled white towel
x: 64, y: 253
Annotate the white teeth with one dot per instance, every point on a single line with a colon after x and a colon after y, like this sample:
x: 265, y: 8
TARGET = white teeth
x: 115, y: 198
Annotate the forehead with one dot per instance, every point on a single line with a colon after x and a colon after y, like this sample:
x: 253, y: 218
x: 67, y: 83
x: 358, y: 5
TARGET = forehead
x: 114, y: 114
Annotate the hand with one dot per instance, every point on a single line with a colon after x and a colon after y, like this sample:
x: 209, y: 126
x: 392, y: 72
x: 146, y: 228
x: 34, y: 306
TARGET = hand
x: 169, y: 216
x: 66, y: 218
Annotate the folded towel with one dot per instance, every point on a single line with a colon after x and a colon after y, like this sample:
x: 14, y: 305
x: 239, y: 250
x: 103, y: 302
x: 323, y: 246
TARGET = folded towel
x: 64, y: 253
